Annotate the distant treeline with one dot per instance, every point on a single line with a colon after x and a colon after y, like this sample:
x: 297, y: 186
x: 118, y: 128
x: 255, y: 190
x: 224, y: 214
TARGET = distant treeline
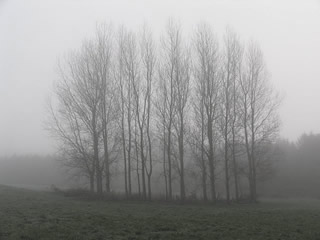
x: 192, y: 113
x: 295, y: 173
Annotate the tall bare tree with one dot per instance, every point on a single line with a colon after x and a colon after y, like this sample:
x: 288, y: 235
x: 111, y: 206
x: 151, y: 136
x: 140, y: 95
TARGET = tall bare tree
x: 231, y: 68
x: 168, y: 91
x: 64, y: 124
x: 196, y: 137
x: 197, y: 133
x: 128, y: 74
x: 148, y: 60
x: 109, y: 100
x: 259, y: 104
x: 162, y: 127
x: 237, y: 57
x: 176, y: 69
x: 207, y: 73
x: 137, y: 156
x: 82, y: 79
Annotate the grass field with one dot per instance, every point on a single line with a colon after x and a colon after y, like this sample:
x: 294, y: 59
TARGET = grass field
x: 26, y: 214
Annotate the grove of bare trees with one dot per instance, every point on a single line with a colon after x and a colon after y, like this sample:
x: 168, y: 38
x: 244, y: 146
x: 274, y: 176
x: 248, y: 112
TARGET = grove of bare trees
x: 183, y: 116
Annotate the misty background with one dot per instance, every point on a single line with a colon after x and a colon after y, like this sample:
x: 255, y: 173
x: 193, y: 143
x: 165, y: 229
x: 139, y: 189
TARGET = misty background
x: 35, y: 34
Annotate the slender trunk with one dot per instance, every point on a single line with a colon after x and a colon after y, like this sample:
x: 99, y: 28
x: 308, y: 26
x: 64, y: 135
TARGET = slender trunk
x: 226, y: 163
x: 171, y: 109
x: 165, y: 175
x: 150, y: 167
x: 96, y: 156
x: 204, y: 182
x: 253, y: 167
x: 211, y: 162
x: 137, y: 157
x: 91, y: 178
x: 143, y: 164
x: 234, y: 161
x: 124, y: 141
x: 124, y: 159
x: 248, y: 153
x: 235, y: 167
x: 254, y: 184
x: 181, y: 158
x: 169, y: 161
x: 99, y: 182
x: 138, y: 179
x: 137, y: 165
x: 107, y: 164
x: 203, y: 164
x: 249, y: 164
x: 164, y: 163
x: 226, y: 137
x: 149, y: 188
x: 129, y: 153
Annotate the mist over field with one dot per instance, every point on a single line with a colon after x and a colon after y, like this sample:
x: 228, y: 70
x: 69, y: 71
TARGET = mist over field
x: 296, y: 173
x: 159, y: 119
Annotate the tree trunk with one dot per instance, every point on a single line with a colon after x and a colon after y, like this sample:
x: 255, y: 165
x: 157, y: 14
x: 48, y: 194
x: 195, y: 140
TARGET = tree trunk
x: 96, y: 156
x: 129, y: 155
x: 204, y: 170
x: 204, y: 182
x: 137, y: 169
x: 226, y: 170
x: 169, y: 162
x: 124, y: 148
x: 150, y: 168
x: 211, y: 162
x: 165, y: 167
x: 234, y: 161
x: 143, y: 163
x: 235, y: 167
x: 149, y: 187
x: 92, y: 182
x: 181, y: 158
x: 107, y: 169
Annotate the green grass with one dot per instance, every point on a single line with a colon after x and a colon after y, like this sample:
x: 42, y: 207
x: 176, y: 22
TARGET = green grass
x: 34, y: 215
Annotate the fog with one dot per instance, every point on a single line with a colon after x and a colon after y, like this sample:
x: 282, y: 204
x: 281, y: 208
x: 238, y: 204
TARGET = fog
x: 295, y: 175
x: 159, y: 119
x: 32, y: 172
x: 34, y: 35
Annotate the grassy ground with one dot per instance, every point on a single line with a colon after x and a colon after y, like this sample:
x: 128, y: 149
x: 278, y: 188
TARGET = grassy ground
x: 32, y: 215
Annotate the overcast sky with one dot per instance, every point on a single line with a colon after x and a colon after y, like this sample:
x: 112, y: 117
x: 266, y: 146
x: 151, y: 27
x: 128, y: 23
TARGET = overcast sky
x: 34, y: 34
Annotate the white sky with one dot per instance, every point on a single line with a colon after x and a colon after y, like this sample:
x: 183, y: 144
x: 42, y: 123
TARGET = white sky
x: 34, y: 34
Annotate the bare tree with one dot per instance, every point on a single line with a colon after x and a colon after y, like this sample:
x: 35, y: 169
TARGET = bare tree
x: 111, y: 101
x: 259, y: 105
x: 137, y: 158
x: 231, y: 67
x: 182, y: 84
x: 237, y: 56
x: 195, y: 139
x: 119, y: 75
x: 177, y: 71
x: 83, y: 77
x: 148, y: 60
x: 65, y: 125
x: 127, y: 74
x: 162, y: 127
x: 168, y: 91
x: 207, y: 73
